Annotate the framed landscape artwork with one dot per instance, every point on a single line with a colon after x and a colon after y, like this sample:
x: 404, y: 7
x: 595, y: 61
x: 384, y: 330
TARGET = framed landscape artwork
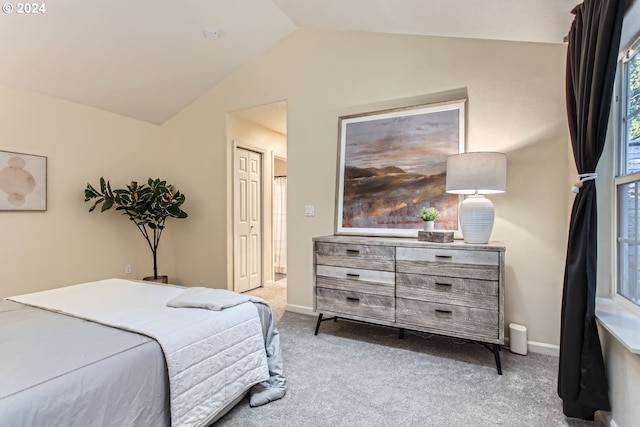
x: 392, y: 163
x: 23, y: 182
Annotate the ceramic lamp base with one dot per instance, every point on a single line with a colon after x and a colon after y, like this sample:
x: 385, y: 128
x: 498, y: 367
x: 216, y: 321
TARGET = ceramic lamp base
x: 476, y: 219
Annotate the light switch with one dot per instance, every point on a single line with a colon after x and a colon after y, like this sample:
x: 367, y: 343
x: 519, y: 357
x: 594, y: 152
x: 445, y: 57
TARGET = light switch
x: 309, y: 210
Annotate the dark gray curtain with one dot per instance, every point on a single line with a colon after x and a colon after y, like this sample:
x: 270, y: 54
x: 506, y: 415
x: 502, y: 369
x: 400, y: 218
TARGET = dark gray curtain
x: 594, y: 41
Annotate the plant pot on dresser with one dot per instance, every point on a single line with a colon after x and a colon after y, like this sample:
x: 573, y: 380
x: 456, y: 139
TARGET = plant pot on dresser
x: 452, y: 289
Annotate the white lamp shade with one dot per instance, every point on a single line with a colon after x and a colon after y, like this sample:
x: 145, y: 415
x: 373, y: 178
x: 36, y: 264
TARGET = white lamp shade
x: 477, y: 173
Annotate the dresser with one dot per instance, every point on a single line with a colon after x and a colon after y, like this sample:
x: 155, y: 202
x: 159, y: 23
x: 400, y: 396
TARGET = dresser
x: 454, y: 289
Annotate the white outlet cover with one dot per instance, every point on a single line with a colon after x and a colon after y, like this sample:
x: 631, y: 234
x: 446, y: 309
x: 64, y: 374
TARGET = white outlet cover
x: 309, y: 210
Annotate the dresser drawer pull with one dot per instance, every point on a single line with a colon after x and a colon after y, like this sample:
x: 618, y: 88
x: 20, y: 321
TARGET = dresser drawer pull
x: 443, y: 311
x: 353, y: 251
x: 353, y: 275
x: 446, y: 285
x: 353, y: 299
x: 443, y: 257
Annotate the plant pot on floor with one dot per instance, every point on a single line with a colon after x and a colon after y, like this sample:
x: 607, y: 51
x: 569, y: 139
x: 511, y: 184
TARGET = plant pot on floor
x: 160, y: 279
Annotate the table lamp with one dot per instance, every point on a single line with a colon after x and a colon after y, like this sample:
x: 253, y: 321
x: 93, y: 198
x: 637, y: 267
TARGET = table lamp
x: 476, y: 174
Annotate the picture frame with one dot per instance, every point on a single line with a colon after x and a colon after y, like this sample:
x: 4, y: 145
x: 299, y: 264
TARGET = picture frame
x: 391, y: 163
x: 23, y: 182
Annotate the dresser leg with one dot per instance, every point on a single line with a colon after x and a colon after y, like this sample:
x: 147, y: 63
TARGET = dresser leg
x: 318, y: 324
x: 496, y: 354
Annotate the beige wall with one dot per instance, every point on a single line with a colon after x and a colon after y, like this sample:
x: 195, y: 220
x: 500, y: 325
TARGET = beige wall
x: 516, y: 105
x: 67, y: 244
x: 623, y: 374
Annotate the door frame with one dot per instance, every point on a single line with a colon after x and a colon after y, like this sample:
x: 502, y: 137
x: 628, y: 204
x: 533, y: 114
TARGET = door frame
x: 281, y: 157
x: 262, y: 153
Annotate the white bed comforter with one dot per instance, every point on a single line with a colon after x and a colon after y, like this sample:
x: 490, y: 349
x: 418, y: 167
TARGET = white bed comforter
x: 212, y: 356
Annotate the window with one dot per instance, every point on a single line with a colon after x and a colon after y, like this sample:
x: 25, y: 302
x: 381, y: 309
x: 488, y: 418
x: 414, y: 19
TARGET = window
x: 627, y: 179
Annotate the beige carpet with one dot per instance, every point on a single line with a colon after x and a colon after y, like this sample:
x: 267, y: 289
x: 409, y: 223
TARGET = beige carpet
x: 276, y: 294
x: 360, y: 375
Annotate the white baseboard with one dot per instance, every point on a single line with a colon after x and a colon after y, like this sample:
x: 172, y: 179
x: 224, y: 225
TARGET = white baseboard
x: 544, y: 348
x: 539, y: 347
x: 300, y: 309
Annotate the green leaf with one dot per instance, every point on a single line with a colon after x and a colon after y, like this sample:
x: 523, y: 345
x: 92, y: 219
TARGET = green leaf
x: 176, y: 212
x: 95, y: 204
x: 107, y: 205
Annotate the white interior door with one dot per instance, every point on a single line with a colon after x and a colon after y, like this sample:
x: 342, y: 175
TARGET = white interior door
x: 247, y: 248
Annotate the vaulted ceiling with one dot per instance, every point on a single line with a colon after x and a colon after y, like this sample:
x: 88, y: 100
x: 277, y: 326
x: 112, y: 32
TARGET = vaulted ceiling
x: 148, y: 59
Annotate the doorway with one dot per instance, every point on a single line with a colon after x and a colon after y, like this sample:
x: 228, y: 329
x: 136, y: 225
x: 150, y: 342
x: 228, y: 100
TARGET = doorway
x: 261, y: 129
x: 279, y: 218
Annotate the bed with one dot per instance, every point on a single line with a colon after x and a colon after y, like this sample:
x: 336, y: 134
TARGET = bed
x: 112, y: 353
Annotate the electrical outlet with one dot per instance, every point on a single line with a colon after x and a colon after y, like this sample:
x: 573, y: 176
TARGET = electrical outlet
x: 127, y: 269
x: 309, y: 210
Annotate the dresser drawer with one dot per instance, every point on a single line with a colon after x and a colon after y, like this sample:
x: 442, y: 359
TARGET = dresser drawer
x: 372, y: 257
x: 358, y: 280
x: 458, y: 256
x: 455, y: 320
x: 449, y: 290
x: 355, y: 304
x: 484, y: 265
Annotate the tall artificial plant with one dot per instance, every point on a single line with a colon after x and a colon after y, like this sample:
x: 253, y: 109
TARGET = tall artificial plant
x: 147, y: 205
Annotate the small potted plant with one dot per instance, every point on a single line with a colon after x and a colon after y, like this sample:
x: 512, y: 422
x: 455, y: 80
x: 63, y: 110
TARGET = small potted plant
x: 147, y: 205
x: 428, y: 215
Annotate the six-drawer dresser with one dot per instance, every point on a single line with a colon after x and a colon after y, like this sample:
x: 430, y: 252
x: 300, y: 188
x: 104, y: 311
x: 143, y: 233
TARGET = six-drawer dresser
x: 454, y: 289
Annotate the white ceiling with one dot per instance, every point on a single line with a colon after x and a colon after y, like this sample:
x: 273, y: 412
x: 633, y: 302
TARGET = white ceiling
x: 148, y: 59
